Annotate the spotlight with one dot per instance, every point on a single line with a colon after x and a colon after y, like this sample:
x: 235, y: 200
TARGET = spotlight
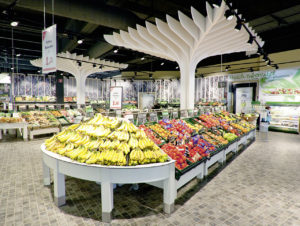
x: 217, y: 3
x: 14, y: 23
x: 39, y: 71
x: 100, y: 67
x: 61, y: 73
x: 266, y: 58
x: 162, y: 63
x: 227, y: 68
x: 116, y: 50
x: 19, y: 54
x: 251, y: 69
x: 150, y: 75
x: 250, y: 41
x: 238, y: 26
x: 101, y: 79
x: 176, y: 67
x: 276, y: 66
x: 143, y: 58
x: 135, y: 74
x: 79, y: 63
x: 94, y: 65
x: 80, y: 41
x: 229, y: 14
x: 260, y: 51
x: 269, y: 63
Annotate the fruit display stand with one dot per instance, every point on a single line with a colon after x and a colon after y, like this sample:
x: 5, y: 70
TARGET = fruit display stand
x: 19, y: 126
x: 107, y: 176
x: 40, y: 131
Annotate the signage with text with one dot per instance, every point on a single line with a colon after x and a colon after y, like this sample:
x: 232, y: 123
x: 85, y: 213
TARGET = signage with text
x: 49, y: 49
x: 116, y: 97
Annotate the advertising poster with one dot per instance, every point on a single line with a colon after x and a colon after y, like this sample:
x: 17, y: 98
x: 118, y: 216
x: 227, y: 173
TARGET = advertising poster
x: 49, y: 49
x: 116, y: 97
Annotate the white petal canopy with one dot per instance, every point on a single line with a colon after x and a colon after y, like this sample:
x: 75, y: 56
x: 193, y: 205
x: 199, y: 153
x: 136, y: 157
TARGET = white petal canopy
x: 188, y: 41
x: 67, y: 62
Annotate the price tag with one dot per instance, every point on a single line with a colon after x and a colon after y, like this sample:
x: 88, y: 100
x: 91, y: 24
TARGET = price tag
x: 22, y: 107
x: 190, y: 113
x: 119, y: 113
x: 31, y: 107
x: 78, y: 119
x: 10, y: 106
x: 129, y: 117
x: 141, y: 118
x: 175, y: 114
x: 165, y: 115
x: 51, y: 107
x: 67, y: 106
x: 58, y: 107
x: 153, y: 117
x: 183, y: 114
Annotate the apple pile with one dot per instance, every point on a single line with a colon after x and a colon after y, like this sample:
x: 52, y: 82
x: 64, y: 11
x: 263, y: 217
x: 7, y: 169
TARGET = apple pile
x: 177, y: 155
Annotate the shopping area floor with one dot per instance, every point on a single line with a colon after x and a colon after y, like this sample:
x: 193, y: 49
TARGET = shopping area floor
x: 261, y: 186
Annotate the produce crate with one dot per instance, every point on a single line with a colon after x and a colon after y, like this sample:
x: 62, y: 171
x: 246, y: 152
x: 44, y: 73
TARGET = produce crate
x: 179, y: 173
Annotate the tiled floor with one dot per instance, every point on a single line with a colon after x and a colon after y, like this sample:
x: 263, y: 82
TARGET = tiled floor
x: 261, y: 186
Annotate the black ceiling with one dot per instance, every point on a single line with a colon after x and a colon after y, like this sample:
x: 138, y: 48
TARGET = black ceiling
x: 277, y: 22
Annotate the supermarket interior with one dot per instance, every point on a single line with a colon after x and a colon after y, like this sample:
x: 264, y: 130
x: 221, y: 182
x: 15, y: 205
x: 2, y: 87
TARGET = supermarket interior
x: 149, y: 112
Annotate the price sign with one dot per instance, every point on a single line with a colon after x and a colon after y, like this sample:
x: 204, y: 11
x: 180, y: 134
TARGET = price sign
x: 31, y: 107
x: 118, y: 113
x: 51, y: 107
x: 67, y: 106
x: 22, y: 107
x: 58, y: 107
x: 141, y: 118
x: 183, y: 114
x: 78, y: 119
x: 116, y: 97
x: 129, y: 117
x: 153, y: 117
x: 165, y: 115
x: 10, y: 106
x: 190, y: 113
x: 175, y: 114
x: 49, y: 49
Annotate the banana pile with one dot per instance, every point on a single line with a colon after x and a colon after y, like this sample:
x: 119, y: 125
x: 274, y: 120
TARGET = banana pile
x: 106, y: 141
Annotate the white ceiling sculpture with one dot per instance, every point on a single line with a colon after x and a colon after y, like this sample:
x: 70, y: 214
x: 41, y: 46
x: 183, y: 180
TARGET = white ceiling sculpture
x: 69, y: 62
x: 187, y: 41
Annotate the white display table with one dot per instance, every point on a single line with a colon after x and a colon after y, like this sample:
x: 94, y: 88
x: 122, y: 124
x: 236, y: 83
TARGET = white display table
x: 108, y: 175
x: 19, y: 125
x: 41, y: 131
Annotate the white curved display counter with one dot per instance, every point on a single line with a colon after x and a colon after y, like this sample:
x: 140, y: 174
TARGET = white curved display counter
x: 107, y: 176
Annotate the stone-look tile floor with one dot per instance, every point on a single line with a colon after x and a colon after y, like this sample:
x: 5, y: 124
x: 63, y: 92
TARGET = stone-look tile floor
x: 261, y: 186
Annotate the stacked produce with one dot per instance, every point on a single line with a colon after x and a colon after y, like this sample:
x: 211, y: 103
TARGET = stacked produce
x: 106, y: 141
x: 150, y: 134
x: 195, y: 126
x: 177, y: 155
x: 56, y: 113
x: 178, y: 128
x: 10, y: 119
x: 219, y: 138
x: 39, y: 119
x: 157, y: 128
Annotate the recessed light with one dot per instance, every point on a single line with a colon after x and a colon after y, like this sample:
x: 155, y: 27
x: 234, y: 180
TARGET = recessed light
x: 80, y: 41
x: 19, y: 54
x: 143, y: 58
x: 176, y: 67
x: 12, y: 68
x: 14, y: 23
x: 162, y: 63
x: 115, y: 51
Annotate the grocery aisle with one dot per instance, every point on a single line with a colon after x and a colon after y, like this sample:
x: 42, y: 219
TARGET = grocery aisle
x: 261, y: 186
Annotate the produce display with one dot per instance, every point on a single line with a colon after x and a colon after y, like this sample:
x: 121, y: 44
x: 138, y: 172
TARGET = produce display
x: 177, y: 128
x: 106, y: 141
x: 150, y: 134
x: 157, y: 128
x: 37, y: 119
x: 35, y: 99
x: 10, y: 119
x: 56, y: 113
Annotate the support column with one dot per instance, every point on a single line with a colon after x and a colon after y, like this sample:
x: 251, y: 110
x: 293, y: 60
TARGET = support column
x: 170, y: 192
x: 59, y: 188
x: 187, y: 86
x: 80, y: 89
x: 46, y: 174
x: 107, y: 201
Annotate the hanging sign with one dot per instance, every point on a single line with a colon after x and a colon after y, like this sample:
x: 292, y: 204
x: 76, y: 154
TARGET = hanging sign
x: 49, y: 49
x: 175, y: 114
x: 116, y: 97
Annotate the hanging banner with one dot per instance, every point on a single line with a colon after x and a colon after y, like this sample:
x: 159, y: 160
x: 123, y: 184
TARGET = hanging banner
x: 49, y: 49
x: 116, y: 97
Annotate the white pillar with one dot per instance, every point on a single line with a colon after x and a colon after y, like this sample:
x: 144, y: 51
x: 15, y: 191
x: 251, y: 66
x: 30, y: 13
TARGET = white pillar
x: 80, y: 88
x: 187, y: 86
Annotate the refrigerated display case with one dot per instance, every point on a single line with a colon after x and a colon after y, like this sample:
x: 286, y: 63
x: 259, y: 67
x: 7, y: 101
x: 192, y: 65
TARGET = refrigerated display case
x: 285, y: 118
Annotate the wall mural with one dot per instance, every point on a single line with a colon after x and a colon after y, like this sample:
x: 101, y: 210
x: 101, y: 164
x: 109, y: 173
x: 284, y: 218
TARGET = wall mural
x: 39, y: 85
